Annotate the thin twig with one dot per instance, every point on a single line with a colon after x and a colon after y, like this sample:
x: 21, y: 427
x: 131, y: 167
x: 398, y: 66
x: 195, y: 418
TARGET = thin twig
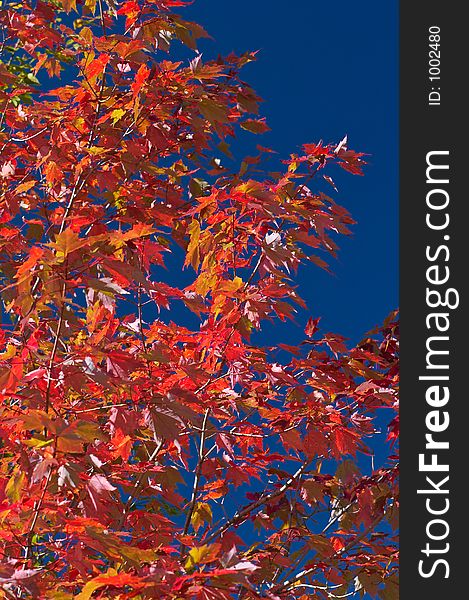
x: 264, y: 499
x: 55, y: 346
x: 136, y: 487
x: 197, y: 475
x: 38, y: 507
x: 302, y: 574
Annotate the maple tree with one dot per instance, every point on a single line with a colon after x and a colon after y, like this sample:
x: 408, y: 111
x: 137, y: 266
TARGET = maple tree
x: 143, y: 457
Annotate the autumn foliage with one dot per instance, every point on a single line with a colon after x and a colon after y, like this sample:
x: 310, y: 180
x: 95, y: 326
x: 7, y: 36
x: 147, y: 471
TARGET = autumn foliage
x: 153, y: 445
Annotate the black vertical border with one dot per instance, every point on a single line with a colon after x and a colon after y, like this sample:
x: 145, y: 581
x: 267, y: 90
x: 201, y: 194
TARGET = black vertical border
x: 425, y: 128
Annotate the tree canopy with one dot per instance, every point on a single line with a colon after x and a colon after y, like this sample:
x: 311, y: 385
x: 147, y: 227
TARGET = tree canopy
x: 153, y: 445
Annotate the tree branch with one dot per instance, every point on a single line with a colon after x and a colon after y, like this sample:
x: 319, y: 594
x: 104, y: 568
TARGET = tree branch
x: 264, y: 499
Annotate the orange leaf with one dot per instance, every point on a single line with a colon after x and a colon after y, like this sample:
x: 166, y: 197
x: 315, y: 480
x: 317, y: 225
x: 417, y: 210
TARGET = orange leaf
x: 140, y: 78
x: 34, y: 255
x: 96, y: 66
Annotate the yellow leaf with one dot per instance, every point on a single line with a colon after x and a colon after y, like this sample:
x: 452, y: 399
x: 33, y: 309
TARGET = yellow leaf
x: 69, y: 5
x: 4, y: 514
x: 230, y: 286
x: 202, y: 554
x: 91, y: 5
x: 66, y: 242
x: 37, y: 443
x: 116, y: 115
x: 139, y: 230
x: 14, y: 486
x: 86, y: 32
x: 80, y: 123
x: 95, y: 584
x: 193, y: 256
x: 202, y: 514
x: 204, y: 283
x: 24, y: 187
x: 10, y: 352
x: 95, y: 150
x: 111, y: 577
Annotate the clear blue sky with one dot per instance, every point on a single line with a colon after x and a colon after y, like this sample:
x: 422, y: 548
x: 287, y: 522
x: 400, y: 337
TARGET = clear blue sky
x: 326, y: 69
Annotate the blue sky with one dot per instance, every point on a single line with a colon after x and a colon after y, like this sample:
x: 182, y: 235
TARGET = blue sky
x: 326, y: 69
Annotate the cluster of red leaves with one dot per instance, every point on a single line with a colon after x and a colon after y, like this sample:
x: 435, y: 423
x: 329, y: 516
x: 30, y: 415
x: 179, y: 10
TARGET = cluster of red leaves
x: 141, y: 458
